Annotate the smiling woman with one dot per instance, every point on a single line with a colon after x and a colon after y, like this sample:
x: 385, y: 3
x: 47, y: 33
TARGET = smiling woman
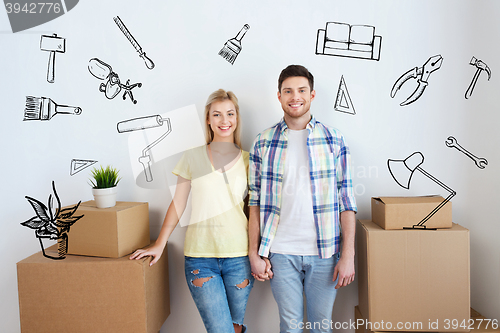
x: 216, y: 265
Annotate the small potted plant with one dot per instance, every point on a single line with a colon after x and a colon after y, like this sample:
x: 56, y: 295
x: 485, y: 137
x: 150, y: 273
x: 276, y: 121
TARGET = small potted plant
x: 104, y: 186
x: 52, y: 223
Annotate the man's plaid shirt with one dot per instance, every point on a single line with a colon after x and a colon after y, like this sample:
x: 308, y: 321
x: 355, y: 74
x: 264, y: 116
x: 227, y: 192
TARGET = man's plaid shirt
x: 330, y: 172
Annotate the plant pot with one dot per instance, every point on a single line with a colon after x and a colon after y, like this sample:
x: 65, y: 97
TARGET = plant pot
x: 105, y: 197
x: 62, y: 247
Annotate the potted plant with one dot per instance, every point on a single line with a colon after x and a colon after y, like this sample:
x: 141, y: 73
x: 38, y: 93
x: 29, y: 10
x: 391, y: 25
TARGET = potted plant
x: 52, y: 223
x: 104, y: 186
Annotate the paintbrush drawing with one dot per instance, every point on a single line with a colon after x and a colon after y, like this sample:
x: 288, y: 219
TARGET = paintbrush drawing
x: 149, y: 63
x: 52, y: 44
x: 232, y: 48
x: 142, y: 123
x: 113, y: 86
x: 43, y: 108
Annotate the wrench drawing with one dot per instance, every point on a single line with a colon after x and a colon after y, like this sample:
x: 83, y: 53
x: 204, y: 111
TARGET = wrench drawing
x: 452, y: 143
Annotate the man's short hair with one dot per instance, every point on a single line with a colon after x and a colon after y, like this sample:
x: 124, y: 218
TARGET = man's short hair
x: 295, y: 70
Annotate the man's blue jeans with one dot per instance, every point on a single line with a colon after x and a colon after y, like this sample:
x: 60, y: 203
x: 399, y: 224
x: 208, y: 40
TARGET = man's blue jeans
x: 295, y: 276
x: 221, y: 294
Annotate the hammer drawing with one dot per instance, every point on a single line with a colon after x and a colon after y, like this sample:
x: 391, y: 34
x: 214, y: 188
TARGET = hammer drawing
x: 480, y: 67
x: 52, y: 44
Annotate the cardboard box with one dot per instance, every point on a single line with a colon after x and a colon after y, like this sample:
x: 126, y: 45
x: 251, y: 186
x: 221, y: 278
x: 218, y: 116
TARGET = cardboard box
x: 476, y: 324
x: 109, y: 232
x: 399, y: 212
x: 90, y: 294
x: 413, y: 276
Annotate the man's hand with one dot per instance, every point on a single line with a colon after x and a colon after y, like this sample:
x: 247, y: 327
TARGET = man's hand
x: 261, y: 268
x: 344, y: 270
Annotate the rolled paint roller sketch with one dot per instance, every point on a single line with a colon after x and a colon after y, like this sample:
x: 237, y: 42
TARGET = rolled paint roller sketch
x: 78, y: 165
x: 481, y: 66
x: 52, y: 44
x: 348, y: 40
x: 343, y: 102
x: 43, y: 108
x: 142, y: 123
x: 451, y: 142
x: 232, y: 48
x: 52, y: 223
x: 25, y: 14
x: 421, y: 74
x: 113, y: 86
x: 149, y: 63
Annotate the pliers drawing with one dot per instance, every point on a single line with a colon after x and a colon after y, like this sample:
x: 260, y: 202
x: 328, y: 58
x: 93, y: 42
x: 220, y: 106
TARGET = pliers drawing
x: 421, y: 74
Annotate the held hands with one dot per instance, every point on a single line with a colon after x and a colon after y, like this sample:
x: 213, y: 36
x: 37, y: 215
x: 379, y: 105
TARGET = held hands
x: 154, y: 251
x: 261, y: 268
x: 344, y: 270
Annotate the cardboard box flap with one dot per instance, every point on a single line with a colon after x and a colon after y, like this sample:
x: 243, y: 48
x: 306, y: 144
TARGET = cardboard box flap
x: 410, y: 200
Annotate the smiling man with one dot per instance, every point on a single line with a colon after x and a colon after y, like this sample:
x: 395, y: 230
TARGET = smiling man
x: 302, y: 208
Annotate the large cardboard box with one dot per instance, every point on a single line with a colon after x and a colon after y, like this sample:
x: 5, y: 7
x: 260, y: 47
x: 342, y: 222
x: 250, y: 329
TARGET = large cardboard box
x: 413, y: 276
x: 399, y: 212
x: 109, y: 232
x: 91, y: 294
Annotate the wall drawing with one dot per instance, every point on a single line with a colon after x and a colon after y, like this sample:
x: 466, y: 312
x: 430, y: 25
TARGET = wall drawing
x: 149, y: 63
x: 480, y: 67
x: 451, y: 142
x: 351, y: 41
x: 78, y: 165
x: 343, y: 102
x: 113, y: 86
x: 52, y: 223
x: 52, y: 44
x: 402, y: 172
x: 142, y: 123
x: 232, y: 48
x: 421, y: 74
x: 43, y: 108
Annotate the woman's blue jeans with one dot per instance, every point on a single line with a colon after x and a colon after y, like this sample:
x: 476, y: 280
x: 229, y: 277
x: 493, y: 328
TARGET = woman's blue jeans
x: 220, y: 288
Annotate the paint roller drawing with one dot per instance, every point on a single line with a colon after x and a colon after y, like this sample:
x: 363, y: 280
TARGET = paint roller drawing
x: 143, y: 123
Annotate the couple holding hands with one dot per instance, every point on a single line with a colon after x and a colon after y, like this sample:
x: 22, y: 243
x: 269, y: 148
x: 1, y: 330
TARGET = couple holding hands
x: 301, y: 212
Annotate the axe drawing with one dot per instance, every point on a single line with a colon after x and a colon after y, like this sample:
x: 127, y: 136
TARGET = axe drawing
x: 52, y: 44
x: 481, y: 66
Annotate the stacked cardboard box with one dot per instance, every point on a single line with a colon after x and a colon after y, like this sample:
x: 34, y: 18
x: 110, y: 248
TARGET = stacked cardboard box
x: 87, y: 293
x: 412, y: 279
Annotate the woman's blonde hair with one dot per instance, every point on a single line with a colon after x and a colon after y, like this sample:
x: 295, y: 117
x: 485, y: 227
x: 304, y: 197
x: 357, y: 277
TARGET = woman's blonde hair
x: 220, y: 96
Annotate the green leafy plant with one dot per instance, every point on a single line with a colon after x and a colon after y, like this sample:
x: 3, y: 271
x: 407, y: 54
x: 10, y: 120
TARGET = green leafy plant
x: 52, y: 222
x: 104, y: 178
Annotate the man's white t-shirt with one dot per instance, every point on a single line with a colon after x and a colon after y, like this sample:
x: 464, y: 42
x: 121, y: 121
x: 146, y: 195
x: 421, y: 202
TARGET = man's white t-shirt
x: 296, y: 233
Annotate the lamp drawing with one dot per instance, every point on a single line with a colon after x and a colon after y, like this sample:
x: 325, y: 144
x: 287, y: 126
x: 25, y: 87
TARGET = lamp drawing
x: 402, y: 172
x: 141, y: 124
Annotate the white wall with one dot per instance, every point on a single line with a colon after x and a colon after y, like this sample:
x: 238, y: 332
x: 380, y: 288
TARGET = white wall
x: 183, y: 39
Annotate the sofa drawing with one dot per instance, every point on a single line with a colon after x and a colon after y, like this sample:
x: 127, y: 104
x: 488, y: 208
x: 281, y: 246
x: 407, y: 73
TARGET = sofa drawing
x: 345, y: 40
